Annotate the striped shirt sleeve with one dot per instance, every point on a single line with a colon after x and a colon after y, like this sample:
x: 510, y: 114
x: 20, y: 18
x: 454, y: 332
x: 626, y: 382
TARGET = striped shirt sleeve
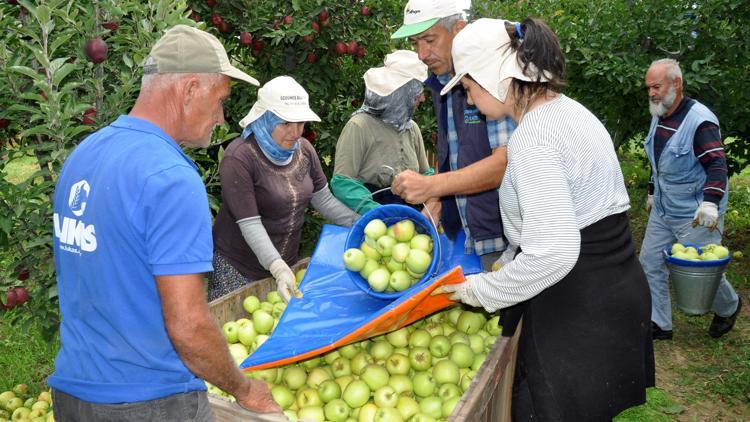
x: 551, y: 240
x: 709, y: 150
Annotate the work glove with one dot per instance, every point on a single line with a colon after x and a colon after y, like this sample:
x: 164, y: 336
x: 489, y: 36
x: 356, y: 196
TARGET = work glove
x: 706, y: 215
x: 285, y: 283
x: 462, y: 292
x: 505, y: 258
x: 649, y: 203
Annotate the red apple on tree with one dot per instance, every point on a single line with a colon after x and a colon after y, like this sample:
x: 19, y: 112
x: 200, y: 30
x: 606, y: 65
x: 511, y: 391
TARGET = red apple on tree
x: 288, y: 19
x: 340, y: 48
x: 315, y: 26
x: 4, y: 123
x: 312, y: 58
x: 364, y: 11
x: 361, y: 51
x: 323, y: 15
x: 246, y: 38
x: 216, y: 19
x: 351, y: 47
x: 88, y: 116
x: 308, y: 38
x: 211, y: 3
x: 23, y: 273
x: 96, y: 50
x: 111, y: 25
x: 22, y: 295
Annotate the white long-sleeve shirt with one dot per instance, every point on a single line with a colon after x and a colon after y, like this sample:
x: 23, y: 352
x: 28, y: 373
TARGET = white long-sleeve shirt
x: 562, y: 176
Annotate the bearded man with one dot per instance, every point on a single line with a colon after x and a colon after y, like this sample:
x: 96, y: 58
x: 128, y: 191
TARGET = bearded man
x: 687, y: 193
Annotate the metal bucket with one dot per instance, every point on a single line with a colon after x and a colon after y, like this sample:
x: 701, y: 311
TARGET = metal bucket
x: 695, y: 287
x: 695, y: 282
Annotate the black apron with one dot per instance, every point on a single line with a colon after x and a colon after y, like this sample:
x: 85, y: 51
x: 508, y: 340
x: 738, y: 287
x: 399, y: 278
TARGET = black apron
x: 585, y: 351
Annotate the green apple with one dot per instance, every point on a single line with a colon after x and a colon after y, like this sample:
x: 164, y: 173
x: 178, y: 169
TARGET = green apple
x: 331, y: 356
x: 13, y: 404
x: 329, y: 390
x: 419, y: 338
x: 709, y: 256
x: 21, y: 390
x: 446, y: 372
x: 400, y: 252
x: 317, y: 376
x: 266, y: 306
x: 283, y: 396
x: 434, y: 328
x: 385, y: 396
x: 350, y: 350
x: 682, y: 254
x: 381, y: 350
x: 42, y: 405
x: 295, y: 377
x: 440, y: 346
x: 278, y: 309
x: 399, y: 280
x: 378, y: 279
x: 262, y: 321
x: 385, y: 245
x: 344, y: 381
x: 388, y: 414
x: 360, y: 362
x: 354, y: 259
x: 422, y: 242
x: 737, y: 255
x: 418, y: 261
x: 247, y: 334
x: 466, y: 379
x: 341, y: 367
x: 459, y: 337
x: 493, y: 326
x: 274, y: 297
x: 5, y: 396
x: 370, y: 266
x: 29, y: 402
x: 375, y: 376
x: 299, y: 275
x: 394, y: 266
x: 479, y: 359
x: 367, y: 413
x: 404, y: 230
x: 259, y: 340
x: 311, y: 414
x: 336, y: 410
x: 356, y: 394
x: 677, y: 247
x: 21, y: 413
x: 470, y: 322
x: 420, y: 358
x: 398, y: 338
x: 231, y: 330
x: 375, y: 229
x: 449, y: 405
x: 397, y: 364
x: 291, y: 415
x: 370, y: 251
x: 431, y: 406
x: 721, y: 252
x: 402, y: 384
x: 407, y: 407
x: 308, y: 397
x: 449, y: 391
x: 251, y: 304
x: 424, y: 384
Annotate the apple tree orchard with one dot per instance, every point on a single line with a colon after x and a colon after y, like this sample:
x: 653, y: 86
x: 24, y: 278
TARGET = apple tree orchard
x: 69, y: 68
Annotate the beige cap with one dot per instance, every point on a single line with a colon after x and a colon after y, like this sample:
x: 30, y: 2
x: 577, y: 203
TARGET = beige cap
x: 482, y: 49
x: 401, y: 66
x: 184, y: 49
x: 284, y: 97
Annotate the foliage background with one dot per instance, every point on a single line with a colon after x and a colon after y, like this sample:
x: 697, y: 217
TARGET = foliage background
x: 50, y: 87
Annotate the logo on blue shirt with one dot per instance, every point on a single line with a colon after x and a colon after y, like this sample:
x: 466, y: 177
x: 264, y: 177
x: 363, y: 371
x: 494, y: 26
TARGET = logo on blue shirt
x: 74, y: 235
x: 471, y: 116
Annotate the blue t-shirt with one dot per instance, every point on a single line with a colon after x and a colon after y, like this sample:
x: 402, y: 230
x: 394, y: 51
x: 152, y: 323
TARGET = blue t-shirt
x: 129, y: 205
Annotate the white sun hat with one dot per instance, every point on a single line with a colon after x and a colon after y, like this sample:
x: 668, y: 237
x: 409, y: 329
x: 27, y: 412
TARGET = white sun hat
x: 420, y: 15
x: 401, y: 66
x: 284, y: 97
x: 483, y: 50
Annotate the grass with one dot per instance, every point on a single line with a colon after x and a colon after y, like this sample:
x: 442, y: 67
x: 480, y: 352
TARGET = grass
x: 698, y: 378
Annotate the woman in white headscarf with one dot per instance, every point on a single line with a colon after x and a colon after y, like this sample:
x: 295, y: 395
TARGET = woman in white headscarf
x: 380, y: 140
x: 269, y: 176
x: 585, y: 351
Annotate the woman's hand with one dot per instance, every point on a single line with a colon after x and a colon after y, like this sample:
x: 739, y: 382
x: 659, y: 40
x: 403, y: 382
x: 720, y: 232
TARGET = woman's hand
x: 285, y: 282
x: 462, y: 292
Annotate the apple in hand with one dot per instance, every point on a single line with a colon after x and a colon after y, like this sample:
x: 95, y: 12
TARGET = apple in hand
x: 354, y: 259
x: 375, y: 229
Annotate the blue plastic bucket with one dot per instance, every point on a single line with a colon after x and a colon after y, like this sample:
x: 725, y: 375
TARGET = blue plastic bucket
x: 391, y: 214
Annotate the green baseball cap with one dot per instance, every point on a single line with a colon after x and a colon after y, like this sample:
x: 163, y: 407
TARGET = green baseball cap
x: 421, y: 15
x: 184, y: 49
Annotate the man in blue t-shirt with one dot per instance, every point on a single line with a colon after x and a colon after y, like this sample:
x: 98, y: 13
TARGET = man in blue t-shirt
x: 132, y: 239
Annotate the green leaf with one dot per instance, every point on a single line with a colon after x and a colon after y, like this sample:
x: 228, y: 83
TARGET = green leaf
x: 61, y: 73
x: 58, y: 41
x: 43, y: 14
x: 25, y: 70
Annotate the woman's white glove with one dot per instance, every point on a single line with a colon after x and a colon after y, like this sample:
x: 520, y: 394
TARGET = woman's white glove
x: 285, y: 283
x: 706, y: 215
x: 462, y: 292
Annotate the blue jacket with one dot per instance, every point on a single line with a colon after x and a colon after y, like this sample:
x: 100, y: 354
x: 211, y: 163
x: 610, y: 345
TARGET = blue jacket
x: 482, y: 209
x: 679, y: 176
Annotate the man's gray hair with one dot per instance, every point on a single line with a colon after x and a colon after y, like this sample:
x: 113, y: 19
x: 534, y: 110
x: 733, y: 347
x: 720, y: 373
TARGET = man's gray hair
x: 673, y: 68
x: 451, y: 20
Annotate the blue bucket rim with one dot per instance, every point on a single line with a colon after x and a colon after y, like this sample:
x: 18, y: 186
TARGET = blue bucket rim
x: 687, y: 263
x: 421, y: 221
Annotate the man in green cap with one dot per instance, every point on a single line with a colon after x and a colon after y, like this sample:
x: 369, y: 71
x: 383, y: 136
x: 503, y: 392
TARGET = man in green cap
x: 132, y: 241
x: 471, y: 149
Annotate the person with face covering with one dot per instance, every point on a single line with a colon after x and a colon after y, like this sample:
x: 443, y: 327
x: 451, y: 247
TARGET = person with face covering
x: 687, y: 193
x: 380, y: 140
x: 585, y: 351
x: 268, y: 178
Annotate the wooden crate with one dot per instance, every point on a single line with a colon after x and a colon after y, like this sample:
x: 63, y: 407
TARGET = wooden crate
x: 487, y: 399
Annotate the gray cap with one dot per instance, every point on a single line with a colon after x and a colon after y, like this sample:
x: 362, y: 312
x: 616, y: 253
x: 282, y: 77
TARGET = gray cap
x: 184, y: 49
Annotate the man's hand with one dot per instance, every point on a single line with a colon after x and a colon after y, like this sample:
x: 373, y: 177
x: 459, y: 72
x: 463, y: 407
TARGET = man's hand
x: 649, y: 203
x: 256, y: 396
x: 706, y: 215
x: 285, y: 282
x: 412, y: 187
x: 462, y: 292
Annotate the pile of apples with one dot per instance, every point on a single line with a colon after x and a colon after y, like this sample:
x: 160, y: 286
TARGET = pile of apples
x: 417, y: 373
x: 393, y: 258
x: 18, y: 405
x: 710, y: 252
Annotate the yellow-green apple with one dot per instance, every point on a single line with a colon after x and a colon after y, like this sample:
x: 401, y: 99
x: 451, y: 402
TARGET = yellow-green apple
x: 418, y: 261
x: 399, y: 280
x: 398, y: 338
x: 397, y: 364
x: 311, y: 414
x: 419, y: 338
x: 20, y: 413
x: 431, y: 406
x: 329, y: 390
x: 336, y: 410
x: 251, y: 304
x: 273, y: 297
x: 407, y: 407
x: 470, y: 322
x: 440, y: 346
x: 422, y: 242
x: 308, y: 397
x: 385, y: 245
x: 360, y: 362
x: 367, y: 413
x: 370, y: 251
x: 317, y: 376
x: 448, y: 391
x: 466, y: 379
x: 449, y: 405
x: 404, y: 230
x: 375, y: 229
x: 295, y: 377
x: 394, y: 266
x: 344, y: 381
x: 354, y: 259
x: 721, y: 252
x: 283, y: 396
x: 381, y: 350
x: 356, y: 394
x: 370, y: 266
x: 385, y: 396
x: 341, y: 367
x: 375, y: 376
x: 400, y: 252
x: 378, y: 279
x: 424, y: 384
x: 231, y: 329
x: 388, y: 414
x: 420, y: 358
x: 262, y: 321
x: 402, y: 384
x: 446, y: 372
x: 350, y: 350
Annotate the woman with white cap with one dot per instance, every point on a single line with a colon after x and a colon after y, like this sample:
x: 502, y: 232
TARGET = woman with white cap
x: 268, y: 178
x: 585, y: 351
x: 380, y: 140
